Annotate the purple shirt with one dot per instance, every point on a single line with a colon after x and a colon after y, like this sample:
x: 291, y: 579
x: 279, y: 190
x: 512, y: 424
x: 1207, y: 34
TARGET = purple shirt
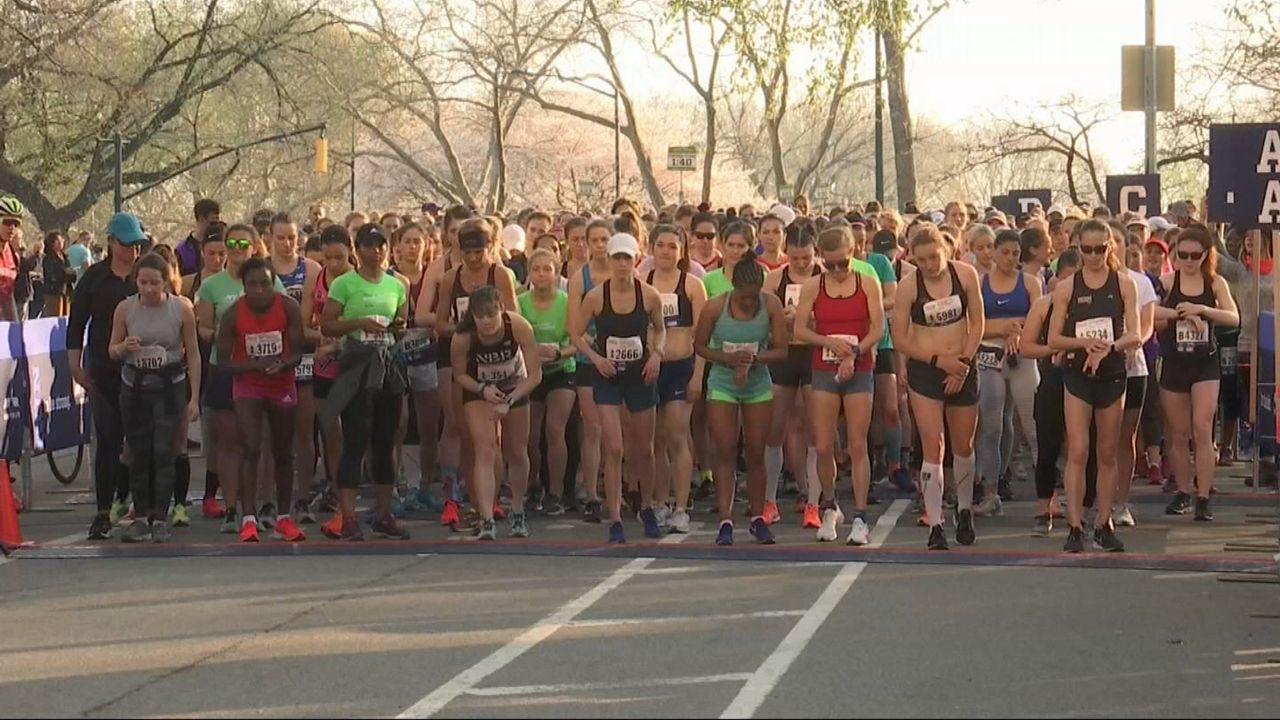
x: 188, y: 252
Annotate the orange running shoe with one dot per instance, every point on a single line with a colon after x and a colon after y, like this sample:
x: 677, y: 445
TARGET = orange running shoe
x: 210, y: 508
x: 498, y: 512
x: 333, y: 528
x: 288, y: 531
x: 249, y: 532
x: 450, y: 514
x: 771, y: 514
x: 811, y: 520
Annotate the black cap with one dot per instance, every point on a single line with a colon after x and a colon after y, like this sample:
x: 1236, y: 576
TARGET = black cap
x: 884, y: 242
x: 371, y: 234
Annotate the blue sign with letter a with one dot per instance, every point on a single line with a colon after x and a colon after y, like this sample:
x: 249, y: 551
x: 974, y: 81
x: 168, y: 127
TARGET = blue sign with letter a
x: 1244, y: 174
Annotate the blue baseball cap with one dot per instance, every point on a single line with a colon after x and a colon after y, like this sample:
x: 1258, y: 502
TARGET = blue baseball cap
x: 126, y: 229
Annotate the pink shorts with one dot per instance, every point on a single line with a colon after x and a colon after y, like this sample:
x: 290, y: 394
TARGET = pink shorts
x: 286, y: 397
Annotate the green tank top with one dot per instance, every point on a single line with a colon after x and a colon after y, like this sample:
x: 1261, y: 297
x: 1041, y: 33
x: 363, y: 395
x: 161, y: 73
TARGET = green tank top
x: 729, y: 335
x: 549, y: 327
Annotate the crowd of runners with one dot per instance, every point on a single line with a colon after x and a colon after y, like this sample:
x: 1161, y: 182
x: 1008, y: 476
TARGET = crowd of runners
x: 627, y: 366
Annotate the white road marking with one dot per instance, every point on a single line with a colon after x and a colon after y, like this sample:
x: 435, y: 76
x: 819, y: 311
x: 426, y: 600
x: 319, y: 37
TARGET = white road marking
x: 691, y: 618
x: 1259, y: 651
x: 766, y: 677
x: 1184, y: 576
x: 465, y: 681
x: 1255, y: 666
x: 511, y: 690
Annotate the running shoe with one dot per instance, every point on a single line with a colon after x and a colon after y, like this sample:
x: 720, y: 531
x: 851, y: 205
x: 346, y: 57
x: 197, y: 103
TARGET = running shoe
x: 487, y: 530
x: 249, y: 532
x: 1154, y: 477
x: 398, y: 508
x: 725, y: 536
x: 1004, y: 489
x: 519, y: 526
x: 651, y: 527
x: 679, y: 522
x: 706, y: 487
x: 663, y: 513
x: 631, y: 499
x: 429, y: 499
x: 160, y: 532
x: 591, y: 512
x: 991, y: 506
x: 100, y: 528
x: 859, y: 534
x: 937, y: 538
x: 230, y: 523
x: 1203, y: 513
x: 1105, y: 539
x: 288, y: 531
x: 965, y: 534
x: 761, y: 532
x: 333, y: 528
x: 179, y: 516
x: 302, y: 512
x: 1075, y: 541
x: 1170, y: 486
x: 119, y: 511
x: 351, y: 531
x: 1124, y: 516
x: 1043, y: 526
x: 811, y: 519
x: 533, y: 498
x: 450, y: 514
x: 210, y: 508
x: 267, y: 516
x: 498, y: 512
x: 831, y: 519
x: 617, y: 534
x: 1181, y: 505
x: 771, y: 514
x: 136, y: 532
x: 387, y: 527
x: 551, y: 506
x: 471, y: 522
x: 901, y: 479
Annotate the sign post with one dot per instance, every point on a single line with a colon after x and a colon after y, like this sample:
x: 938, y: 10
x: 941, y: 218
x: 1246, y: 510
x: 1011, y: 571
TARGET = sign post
x: 1134, y: 193
x: 682, y: 159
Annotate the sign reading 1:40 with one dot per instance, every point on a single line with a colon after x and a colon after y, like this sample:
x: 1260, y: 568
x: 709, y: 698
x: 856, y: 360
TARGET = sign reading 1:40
x: 682, y: 158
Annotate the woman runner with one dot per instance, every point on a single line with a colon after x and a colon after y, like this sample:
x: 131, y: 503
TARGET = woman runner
x: 496, y: 363
x: 738, y: 334
x: 419, y: 352
x: 580, y: 284
x: 260, y: 341
x: 937, y: 325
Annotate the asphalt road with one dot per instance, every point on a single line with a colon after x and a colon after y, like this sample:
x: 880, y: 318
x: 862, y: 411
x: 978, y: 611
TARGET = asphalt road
x: 676, y: 629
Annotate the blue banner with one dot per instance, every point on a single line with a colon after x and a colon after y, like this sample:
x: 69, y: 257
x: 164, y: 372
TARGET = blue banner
x: 13, y: 378
x: 58, y: 407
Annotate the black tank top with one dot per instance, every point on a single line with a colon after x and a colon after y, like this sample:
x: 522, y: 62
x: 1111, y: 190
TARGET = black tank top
x: 785, y: 282
x: 500, y: 364
x: 1096, y: 313
x: 948, y: 310
x: 459, y: 297
x: 677, y: 314
x: 623, y: 339
x: 1179, y: 340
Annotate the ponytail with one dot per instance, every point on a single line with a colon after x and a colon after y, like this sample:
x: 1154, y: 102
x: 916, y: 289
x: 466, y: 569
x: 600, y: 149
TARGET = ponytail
x: 748, y: 272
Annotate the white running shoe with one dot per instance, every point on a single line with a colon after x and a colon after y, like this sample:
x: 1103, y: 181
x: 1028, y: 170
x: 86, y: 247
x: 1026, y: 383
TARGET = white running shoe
x: 663, y: 513
x: 991, y: 506
x: 831, y: 519
x: 1124, y: 517
x: 859, y: 534
x: 678, y: 522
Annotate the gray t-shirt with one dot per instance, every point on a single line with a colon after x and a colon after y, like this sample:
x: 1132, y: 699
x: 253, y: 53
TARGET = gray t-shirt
x: 159, y: 328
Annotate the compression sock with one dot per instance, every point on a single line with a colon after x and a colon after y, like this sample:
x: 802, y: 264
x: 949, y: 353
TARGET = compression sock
x: 931, y: 477
x: 963, y: 467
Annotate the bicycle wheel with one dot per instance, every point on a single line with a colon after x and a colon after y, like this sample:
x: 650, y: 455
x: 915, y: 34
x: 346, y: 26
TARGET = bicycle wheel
x: 66, y: 478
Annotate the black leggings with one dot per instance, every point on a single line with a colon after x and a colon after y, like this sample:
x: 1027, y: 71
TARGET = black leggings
x: 369, y: 422
x: 110, y: 476
x: 1050, y: 431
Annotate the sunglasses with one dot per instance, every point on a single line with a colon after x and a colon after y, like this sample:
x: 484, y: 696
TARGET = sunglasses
x: 705, y: 236
x: 1093, y: 249
x: 1193, y: 255
x: 239, y: 244
x: 12, y: 222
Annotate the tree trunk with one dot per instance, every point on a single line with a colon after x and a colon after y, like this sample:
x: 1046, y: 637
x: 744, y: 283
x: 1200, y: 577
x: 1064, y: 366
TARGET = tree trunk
x: 710, y: 153
x: 904, y: 160
x: 774, y: 127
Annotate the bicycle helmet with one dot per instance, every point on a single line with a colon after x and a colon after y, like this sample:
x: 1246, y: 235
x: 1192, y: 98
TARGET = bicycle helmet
x: 10, y: 207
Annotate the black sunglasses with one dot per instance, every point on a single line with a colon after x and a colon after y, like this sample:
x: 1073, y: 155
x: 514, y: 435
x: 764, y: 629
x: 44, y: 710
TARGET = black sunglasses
x: 705, y: 236
x: 1193, y: 255
x: 1093, y: 249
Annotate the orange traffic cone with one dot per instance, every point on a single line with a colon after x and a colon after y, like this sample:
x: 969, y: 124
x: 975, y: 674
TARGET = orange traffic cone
x: 10, y: 533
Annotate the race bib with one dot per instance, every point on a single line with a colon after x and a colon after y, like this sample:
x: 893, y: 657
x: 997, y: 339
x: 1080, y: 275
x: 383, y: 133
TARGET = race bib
x: 670, y: 308
x: 498, y: 372
x: 943, y: 311
x: 306, y: 368
x: 736, y: 347
x: 830, y: 357
x: 1096, y: 329
x: 792, y: 293
x: 150, y: 357
x: 989, y: 357
x: 414, y: 345
x: 264, y: 345
x: 376, y: 338
x: 294, y: 292
x: 1229, y: 359
x: 623, y: 350
x: 460, y: 306
x: 1188, y: 336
